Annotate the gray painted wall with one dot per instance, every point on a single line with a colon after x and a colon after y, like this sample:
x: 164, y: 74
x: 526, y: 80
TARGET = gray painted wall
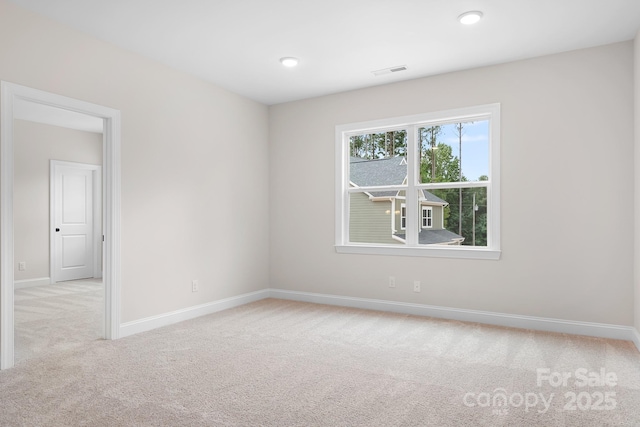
x: 35, y: 144
x: 555, y: 266
x: 187, y: 152
x: 637, y: 180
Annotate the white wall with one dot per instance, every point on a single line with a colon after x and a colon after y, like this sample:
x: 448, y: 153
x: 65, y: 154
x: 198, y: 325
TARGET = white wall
x: 194, y: 163
x: 35, y: 145
x: 197, y: 161
x: 567, y: 191
x: 637, y: 179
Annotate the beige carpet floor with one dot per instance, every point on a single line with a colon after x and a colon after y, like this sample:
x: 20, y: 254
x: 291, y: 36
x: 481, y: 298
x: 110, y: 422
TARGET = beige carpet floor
x: 57, y: 317
x: 282, y: 363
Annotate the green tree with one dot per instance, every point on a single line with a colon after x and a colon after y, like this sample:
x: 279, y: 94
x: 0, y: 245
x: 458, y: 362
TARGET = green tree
x: 428, y: 146
x: 474, y: 216
x: 395, y: 143
x: 480, y: 215
x: 438, y: 164
x: 379, y: 145
x: 357, y: 146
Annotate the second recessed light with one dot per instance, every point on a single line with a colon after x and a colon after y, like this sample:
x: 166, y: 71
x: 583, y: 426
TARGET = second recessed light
x: 470, y: 18
x: 289, y: 61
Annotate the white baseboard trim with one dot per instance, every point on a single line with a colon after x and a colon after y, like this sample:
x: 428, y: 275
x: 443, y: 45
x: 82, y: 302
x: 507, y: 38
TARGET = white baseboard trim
x: 627, y: 333
x: 636, y: 338
x: 153, y: 322
x: 29, y: 283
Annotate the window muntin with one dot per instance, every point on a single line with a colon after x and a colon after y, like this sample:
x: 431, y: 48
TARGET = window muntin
x: 452, y: 180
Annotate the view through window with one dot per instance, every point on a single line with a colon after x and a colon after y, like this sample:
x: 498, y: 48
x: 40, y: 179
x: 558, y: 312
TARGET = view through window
x: 422, y: 184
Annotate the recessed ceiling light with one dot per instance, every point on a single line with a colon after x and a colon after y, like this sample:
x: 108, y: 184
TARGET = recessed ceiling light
x: 470, y: 18
x: 289, y: 61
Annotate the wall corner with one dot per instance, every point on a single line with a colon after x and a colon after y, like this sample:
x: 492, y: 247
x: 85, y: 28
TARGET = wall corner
x: 636, y: 118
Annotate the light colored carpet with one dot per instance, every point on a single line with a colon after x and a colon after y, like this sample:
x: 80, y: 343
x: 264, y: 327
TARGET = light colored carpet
x: 57, y: 317
x: 282, y: 363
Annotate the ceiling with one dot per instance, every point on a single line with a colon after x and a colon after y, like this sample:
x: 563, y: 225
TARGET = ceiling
x: 237, y: 44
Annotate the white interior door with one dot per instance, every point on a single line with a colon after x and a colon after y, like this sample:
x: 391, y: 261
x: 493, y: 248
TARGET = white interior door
x: 73, y: 221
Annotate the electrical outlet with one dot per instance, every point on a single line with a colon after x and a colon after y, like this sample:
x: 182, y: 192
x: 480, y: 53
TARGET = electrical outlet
x: 22, y: 266
x: 392, y: 282
x: 195, y: 286
x: 416, y: 286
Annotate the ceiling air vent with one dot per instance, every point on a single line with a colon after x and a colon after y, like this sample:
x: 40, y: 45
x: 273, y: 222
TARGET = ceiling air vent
x: 389, y: 70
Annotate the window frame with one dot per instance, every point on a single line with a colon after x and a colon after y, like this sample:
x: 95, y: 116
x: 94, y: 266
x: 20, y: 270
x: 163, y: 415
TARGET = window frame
x: 490, y: 112
x: 403, y: 216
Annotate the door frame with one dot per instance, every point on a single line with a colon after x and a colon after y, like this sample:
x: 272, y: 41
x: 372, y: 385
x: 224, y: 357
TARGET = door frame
x: 9, y: 94
x: 96, y: 206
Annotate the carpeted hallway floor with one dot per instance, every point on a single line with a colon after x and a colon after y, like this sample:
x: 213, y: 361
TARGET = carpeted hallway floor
x: 283, y: 363
x: 57, y: 317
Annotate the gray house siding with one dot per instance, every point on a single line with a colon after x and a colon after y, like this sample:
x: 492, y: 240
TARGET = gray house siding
x: 437, y: 217
x: 369, y: 222
x: 397, y: 214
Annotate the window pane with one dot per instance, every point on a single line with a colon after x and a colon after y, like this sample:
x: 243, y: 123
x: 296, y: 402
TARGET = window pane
x: 453, y: 223
x: 374, y: 220
x: 378, y: 158
x: 454, y: 152
x: 427, y: 215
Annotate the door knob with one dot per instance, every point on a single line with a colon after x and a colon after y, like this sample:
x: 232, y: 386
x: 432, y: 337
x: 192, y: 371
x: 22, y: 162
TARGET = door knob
x: 57, y: 229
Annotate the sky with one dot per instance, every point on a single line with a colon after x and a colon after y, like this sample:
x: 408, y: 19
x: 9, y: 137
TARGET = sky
x: 475, y: 147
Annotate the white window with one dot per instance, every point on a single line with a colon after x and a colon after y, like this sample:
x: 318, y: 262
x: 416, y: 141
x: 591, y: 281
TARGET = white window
x: 403, y: 216
x: 449, y: 159
x: 427, y: 217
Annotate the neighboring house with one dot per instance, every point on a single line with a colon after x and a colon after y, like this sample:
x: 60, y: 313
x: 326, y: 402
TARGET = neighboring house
x: 380, y: 216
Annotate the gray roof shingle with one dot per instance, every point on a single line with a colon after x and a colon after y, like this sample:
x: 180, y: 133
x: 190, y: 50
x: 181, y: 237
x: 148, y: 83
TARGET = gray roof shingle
x: 432, y: 237
x: 387, y: 171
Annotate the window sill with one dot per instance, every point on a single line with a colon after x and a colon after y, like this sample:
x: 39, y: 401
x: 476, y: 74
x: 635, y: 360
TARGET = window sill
x: 459, y: 252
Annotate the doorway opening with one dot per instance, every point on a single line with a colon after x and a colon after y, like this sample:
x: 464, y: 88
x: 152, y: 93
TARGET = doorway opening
x: 12, y: 96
